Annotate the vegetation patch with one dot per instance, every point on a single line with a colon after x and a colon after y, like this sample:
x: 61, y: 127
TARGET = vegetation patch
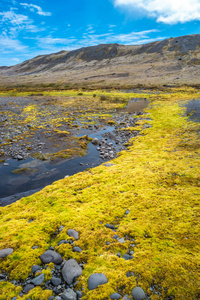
x: 156, y: 180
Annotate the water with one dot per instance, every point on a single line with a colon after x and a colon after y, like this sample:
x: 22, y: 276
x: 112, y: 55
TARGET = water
x: 15, y: 186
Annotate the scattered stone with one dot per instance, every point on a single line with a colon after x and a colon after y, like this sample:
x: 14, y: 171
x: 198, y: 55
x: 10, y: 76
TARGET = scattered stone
x: 58, y: 298
x: 95, y: 141
x: 5, y: 252
x: 38, y: 280
x: 56, y: 281
x: 79, y: 294
x: 2, y: 277
x: 115, y: 296
x: 73, y: 233
x: 138, y: 293
x: 77, y: 249
x: 126, y: 297
x: 95, y: 280
x: 35, y: 247
x: 71, y: 271
x: 122, y: 240
x: 118, y: 254
x: 35, y: 268
x: 110, y: 226
x: 108, y: 165
x: 69, y: 294
x: 127, y: 256
x: 51, y: 256
x: 19, y: 157
x: 14, y: 298
x: 51, y: 298
x: 62, y: 242
x: 6, y: 164
x: 28, y: 287
x: 127, y: 211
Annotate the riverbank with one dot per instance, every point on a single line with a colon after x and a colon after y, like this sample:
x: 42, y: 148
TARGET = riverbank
x: 136, y: 218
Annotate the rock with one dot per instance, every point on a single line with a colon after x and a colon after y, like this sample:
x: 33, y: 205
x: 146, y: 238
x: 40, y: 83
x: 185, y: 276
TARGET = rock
x: 110, y: 226
x: 35, y: 268
x: 95, y: 280
x: 69, y: 294
x: 28, y: 287
x: 122, y: 240
x: 58, y: 298
x: 51, y: 298
x: 115, y: 296
x: 71, y: 271
x: 95, y: 141
x: 38, y: 280
x: 127, y: 256
x: 126, y: 297
x: 73, y: 233
x: 138, y: 293
x: 77, y: 249
x: 19, y: 157
x: 51, y: 256
x: 62, y: 242
x: 108, y: 165
x: 79, y: 294
x: 56, y: 281
x: 34, y: 247
x: 14, y: 298
x: 5, y: 252
x: 6, y: 164
x: 127, y: 211
x: 118, y: 254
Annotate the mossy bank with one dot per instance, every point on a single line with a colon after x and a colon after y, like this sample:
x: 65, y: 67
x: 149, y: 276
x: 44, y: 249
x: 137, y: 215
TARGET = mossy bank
x: 150, y: 194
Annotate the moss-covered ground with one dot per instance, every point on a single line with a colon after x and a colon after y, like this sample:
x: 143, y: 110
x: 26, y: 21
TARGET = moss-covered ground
x: 156, y: 179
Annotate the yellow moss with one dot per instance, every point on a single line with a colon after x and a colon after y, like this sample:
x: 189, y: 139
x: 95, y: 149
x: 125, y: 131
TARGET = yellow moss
x: 157, y: 179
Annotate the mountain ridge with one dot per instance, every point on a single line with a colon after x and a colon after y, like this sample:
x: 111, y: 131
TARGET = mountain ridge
x: 172, y: 59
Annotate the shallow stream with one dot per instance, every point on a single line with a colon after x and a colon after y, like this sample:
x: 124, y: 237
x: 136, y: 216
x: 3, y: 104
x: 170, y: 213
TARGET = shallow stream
x: 15, y: 186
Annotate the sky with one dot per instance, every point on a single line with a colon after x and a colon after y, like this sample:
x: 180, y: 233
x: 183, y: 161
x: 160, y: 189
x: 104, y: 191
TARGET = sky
x: 37, y: 27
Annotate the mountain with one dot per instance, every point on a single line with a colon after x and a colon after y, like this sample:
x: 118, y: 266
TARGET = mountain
x: 172, y: 61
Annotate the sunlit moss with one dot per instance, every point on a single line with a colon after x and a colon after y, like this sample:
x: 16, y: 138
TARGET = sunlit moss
x: 157, y: 179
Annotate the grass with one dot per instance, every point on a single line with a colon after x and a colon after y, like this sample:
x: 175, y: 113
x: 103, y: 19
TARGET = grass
x: 157, y: 179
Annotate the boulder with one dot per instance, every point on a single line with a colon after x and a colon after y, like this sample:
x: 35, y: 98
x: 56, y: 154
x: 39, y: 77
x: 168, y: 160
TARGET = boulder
x: 95, y: 280
x: 5, y: 252
x: 138, y: 293
x: 71, y: 271
x: 51, y: 256
x: 73, y: 233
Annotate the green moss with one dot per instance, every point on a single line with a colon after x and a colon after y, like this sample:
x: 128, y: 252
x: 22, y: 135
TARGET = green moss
x: 157, y: 179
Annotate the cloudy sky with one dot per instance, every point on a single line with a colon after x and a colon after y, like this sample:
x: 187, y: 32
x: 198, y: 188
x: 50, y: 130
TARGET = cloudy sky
x: 31, y: 28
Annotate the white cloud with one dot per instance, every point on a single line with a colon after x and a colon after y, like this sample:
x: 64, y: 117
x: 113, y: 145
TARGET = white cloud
x: 165, y: 11
x: 36, y: 8
x: 13, y: 18
x: 10, y: 44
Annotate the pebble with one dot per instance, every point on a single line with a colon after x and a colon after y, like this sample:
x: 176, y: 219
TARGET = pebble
x: 95, y: 280
x: 95, y: 141
x: 138, y: 293
x: 51, y: 256
x: 28, y: 287
x: 35, y: 268
x: 69, y: 294
x: 38, y: 280
x: 62, y: 242
x: 115, y: 296
x: 126, y: 297
x: 51, y: 298
x: 77, y: 249
x: 110, y: 226
x: 5, y: 252
x: 73, y: 233
x: 127, y: 256
x: 71, y: 271
x: 56, y: 281
x: 122, y: 240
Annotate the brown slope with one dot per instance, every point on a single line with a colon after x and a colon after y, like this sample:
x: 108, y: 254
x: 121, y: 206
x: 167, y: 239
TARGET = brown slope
x: 171, y: 61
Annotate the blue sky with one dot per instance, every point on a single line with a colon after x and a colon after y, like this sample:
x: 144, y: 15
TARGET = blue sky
x: 35, y: 27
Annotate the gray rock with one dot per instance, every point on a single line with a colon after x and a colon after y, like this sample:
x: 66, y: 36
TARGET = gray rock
x: 95, y: 280
x: 56, y: 281
x: 110, y: 226
x: 58, y: 298
x: 71, y: 271
x: 77, y: 249
x: 51, y: 298
x: 38, y: 280
x: 127, y: 256
x: 28, y: 287
x: 2, y: 277
x: 73, y: 233
x: 126, y: 297
x: 122, y: 240
x: 127, y: 211
x: 79, y: 294
x: 69, y: 294
x: 95, y: 141
x: 51, y: 256
x: 138, y: 293
x: 35, y: 268
x: 115, y: 296
x: 14, y: 298
x: 62, y: 242
x: 108, y: 165
x: 5, y: 252
x: 35, y: 247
